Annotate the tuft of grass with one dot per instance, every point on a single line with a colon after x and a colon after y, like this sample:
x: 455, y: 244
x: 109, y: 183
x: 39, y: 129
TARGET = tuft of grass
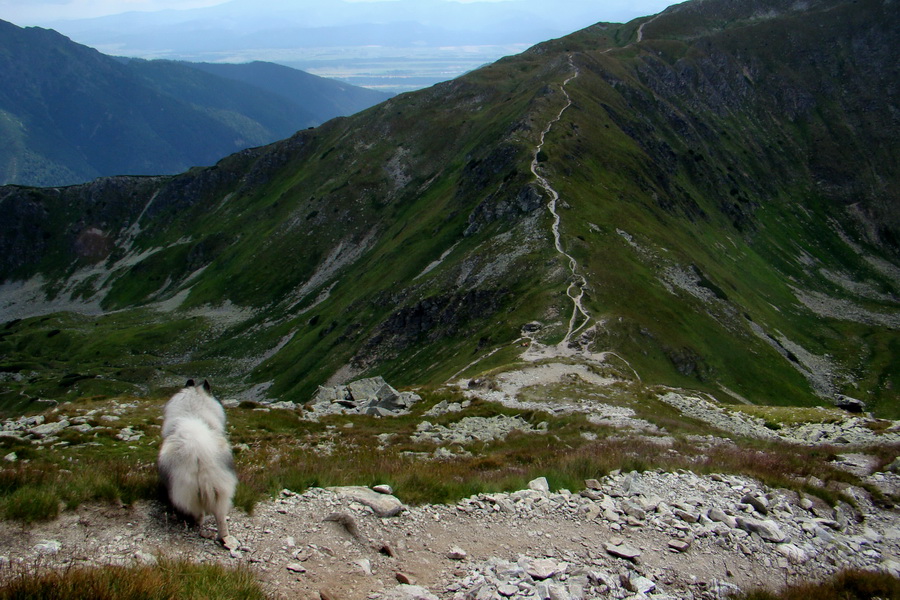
x: 30, y: 504
x: 164, y: 581
x: 846, y: 585
x: 34, y: 492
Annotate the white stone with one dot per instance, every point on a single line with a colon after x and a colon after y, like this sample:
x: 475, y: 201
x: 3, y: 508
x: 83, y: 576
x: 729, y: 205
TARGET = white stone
x: 231, y: 542
x: 47, y: 547
x: 539, y: 485
x: 767, y: 529
x: 638, y: 584
x: 543, y: 568
x: 365, y: 565
x: 48, y: 429
x: 383, y: 505
x: 622, y: 550
x: 793, y: 553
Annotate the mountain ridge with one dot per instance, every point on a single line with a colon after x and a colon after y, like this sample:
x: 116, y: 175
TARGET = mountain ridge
x: 703, y: 193
x: 73, y: 114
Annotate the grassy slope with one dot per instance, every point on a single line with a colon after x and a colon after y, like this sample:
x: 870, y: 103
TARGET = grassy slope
x: 677, y: 142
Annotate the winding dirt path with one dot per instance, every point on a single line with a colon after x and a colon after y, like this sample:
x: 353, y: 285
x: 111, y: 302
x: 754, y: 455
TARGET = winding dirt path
x: 575, y: 291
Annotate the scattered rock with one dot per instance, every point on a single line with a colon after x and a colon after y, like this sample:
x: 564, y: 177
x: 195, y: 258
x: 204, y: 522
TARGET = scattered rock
x: 365, y: 565
x: 47, y: 547
x: 470, y: 429
x: 231, y: 542
x: 456, y: 553
x: 539, y: 485
x: 129, y: 435
x: 718, y: 515
x: 622, y: 550
x: 637, y: 583
x: 543, y: 568
x: 347, y: 521
x: 852, y: 405
x: 793, y: 553
x: 404, y: 578
x: 758, y: 503
x: 767, y: 530
x: 48, y: 429
x: 409, y: 592
x: 384, y: 505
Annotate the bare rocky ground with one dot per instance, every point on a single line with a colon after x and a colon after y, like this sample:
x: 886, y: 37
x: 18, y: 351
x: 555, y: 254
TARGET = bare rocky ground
x: 650, y: 535
x: 630, y: 535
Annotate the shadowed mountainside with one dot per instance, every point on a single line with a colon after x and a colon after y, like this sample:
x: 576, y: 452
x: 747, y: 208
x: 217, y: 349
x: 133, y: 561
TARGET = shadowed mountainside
x: 70, y: 114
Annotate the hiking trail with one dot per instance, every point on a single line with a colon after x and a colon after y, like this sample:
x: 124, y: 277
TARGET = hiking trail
x: 575, y: 291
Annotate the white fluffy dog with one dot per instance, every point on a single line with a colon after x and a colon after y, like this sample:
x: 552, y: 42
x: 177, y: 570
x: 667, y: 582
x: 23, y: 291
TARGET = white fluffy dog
x: 195, y: 462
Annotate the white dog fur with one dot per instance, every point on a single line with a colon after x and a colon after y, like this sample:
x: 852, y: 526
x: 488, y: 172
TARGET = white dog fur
x: 195, y: 461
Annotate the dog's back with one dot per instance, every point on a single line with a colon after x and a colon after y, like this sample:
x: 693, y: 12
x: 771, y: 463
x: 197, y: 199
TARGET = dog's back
x: 195, y: 462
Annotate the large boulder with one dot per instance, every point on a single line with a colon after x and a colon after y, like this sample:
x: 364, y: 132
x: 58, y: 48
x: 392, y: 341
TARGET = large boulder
x: 849, y: 404
x: 371, y: 396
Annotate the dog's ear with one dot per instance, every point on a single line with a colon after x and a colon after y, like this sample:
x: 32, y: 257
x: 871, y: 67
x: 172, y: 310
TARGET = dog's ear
x: 206, y: 386
x: 190, y: 383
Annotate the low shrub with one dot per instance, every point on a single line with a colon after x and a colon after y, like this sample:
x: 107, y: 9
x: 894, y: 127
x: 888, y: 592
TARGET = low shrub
x: 846, y: 585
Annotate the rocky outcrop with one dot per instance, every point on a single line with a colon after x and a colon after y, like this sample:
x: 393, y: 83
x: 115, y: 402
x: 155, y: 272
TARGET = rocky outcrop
x: 372, y: 396
x: 850, y: 431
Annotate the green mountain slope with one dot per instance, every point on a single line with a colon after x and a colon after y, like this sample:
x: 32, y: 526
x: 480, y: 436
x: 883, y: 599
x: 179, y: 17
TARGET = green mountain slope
x: 727, y: 221
x: 70, y: 113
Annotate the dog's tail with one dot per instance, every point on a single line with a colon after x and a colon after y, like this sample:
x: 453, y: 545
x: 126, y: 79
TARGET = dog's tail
x: 197, y: 468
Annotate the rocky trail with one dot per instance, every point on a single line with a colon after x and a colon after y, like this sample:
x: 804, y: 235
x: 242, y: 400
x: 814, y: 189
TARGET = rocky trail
x: 575, y: 291
x: 638, y: 535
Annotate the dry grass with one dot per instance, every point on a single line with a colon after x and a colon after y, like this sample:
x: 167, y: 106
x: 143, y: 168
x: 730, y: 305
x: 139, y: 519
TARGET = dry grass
x: 281, y: 450
x: 847, y: 585
x: 168, y: 580
x: 792, y: 415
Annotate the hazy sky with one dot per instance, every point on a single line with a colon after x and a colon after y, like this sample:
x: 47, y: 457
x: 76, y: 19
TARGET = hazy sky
x: 393, y: 45
x: 39, y: 12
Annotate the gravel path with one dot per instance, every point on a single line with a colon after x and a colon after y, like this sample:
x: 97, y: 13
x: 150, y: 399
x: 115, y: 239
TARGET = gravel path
x: 673, y: 535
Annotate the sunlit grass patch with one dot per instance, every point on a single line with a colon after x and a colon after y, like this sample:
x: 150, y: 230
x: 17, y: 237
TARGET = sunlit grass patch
x: 792, y: 415
x: 163, y: 581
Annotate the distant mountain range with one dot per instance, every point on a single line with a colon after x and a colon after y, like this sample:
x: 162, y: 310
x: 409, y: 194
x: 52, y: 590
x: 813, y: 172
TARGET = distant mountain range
x: 704, y: 199
x: 69, y: 114
x: 396, y: 45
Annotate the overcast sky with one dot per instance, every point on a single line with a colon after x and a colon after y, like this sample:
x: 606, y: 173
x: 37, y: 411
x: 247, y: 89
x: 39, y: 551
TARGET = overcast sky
x: 40, y: 12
